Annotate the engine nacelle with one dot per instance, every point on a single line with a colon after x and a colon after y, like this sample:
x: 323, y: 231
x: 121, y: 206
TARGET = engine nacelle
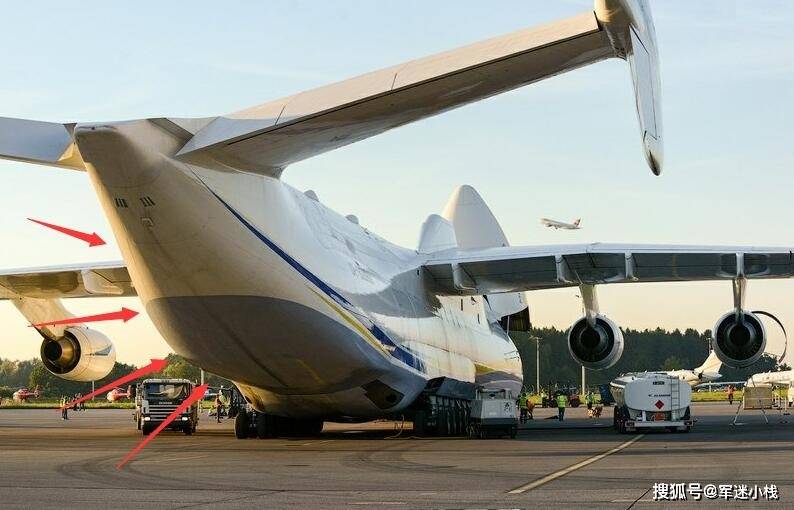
x: 739, y: 344
x: 81, y: 354
x: 596, y: 347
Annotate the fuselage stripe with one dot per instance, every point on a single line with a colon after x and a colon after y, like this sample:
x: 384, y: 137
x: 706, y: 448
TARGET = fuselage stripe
x: 391, y: 347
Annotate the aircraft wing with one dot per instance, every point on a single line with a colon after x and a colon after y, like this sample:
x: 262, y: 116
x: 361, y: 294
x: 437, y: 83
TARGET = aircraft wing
x: 267, y: 138
x: 517, y: 268
x: 97, y: 279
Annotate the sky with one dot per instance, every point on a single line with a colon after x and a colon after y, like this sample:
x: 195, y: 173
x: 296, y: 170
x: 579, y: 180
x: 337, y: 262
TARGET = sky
x: 563, y: 148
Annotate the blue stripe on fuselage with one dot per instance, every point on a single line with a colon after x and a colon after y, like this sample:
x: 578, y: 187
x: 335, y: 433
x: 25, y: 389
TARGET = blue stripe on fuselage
x: 397, y: 351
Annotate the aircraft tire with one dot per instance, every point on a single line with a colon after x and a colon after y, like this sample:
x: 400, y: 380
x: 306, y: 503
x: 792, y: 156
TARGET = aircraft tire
x: 241, y: 426
x: 262, y: 431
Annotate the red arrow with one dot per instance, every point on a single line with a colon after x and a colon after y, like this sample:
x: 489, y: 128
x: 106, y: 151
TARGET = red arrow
x: 155, y: 366
x: 124, y: 314
x: 196, y: 394
x: 92, y: 239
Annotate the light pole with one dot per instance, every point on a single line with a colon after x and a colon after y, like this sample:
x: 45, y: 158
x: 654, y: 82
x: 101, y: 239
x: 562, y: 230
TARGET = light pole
x: 537, y: 363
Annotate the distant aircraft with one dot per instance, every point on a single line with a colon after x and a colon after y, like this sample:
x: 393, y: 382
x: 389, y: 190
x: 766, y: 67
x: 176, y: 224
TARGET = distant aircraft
x: 117, y: 394
x: 709, y: 371
x: 784, y: 377
x: 24, y: 394
x: 556, y: 225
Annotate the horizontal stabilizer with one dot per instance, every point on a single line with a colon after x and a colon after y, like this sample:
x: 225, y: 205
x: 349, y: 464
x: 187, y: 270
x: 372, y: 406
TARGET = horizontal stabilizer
x: 267, y: 138
x: 44, y: 143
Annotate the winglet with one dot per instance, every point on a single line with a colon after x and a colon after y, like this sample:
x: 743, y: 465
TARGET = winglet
x: 629, y: 26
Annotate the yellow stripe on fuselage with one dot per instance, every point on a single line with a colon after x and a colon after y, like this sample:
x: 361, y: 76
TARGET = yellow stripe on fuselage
x: 357, y: 326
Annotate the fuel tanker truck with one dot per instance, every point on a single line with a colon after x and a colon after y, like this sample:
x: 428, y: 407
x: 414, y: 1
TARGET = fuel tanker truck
x: 651, y: 401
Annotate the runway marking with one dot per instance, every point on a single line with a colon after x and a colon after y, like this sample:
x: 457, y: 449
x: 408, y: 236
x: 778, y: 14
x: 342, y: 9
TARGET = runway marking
x: 579, y: 465
x: 172, y: 459
x: 310, y: 442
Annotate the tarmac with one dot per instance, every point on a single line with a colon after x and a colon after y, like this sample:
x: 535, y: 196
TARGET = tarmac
x: 580, y: 463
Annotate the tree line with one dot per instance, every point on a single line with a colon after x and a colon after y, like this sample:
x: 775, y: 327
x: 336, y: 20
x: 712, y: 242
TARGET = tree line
x: 650, y: 350
x: 646, y: 350
x: 32, y: 373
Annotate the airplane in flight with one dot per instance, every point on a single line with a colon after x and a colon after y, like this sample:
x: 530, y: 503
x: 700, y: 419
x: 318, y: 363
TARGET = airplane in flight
x: 311, y: 314
x: 708, y: 372
x: 556, y: 225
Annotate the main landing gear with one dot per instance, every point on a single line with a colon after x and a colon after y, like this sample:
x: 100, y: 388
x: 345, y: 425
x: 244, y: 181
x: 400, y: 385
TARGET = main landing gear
x: 262, y: 425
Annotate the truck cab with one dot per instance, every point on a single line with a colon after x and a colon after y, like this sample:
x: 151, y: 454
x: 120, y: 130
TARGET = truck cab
x: 155, y: 399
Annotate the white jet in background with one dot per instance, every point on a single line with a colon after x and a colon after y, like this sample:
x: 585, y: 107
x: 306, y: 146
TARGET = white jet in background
x: 708, y: 372
x: 557, y: 225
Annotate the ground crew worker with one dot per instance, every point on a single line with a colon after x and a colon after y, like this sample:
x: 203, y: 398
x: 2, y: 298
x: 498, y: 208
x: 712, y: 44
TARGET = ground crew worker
x: 730, y: 394
x: 523, y: 406
x: 589, y: 398
x: 218, y: 406
x: 64, y: 409
x: 562, y: 401
x: 544, y: 399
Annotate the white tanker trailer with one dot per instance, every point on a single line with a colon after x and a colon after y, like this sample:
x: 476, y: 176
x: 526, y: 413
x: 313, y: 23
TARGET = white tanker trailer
x: 651, y: 400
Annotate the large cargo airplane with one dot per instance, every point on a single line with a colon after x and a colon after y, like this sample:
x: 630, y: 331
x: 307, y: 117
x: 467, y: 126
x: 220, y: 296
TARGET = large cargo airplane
x: 310, y: 313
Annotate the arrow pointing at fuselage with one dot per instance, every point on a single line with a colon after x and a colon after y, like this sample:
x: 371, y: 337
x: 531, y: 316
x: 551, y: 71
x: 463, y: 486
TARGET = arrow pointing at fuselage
x: 92, y: 239
x: 124, y: 314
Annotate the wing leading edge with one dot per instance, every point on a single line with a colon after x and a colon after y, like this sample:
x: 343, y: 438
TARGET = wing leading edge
x: 514, y: 269
x: 98, y: 279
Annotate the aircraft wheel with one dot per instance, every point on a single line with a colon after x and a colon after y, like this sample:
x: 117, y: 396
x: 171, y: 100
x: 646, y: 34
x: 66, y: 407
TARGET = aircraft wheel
x: 188, y: 430
x: 241, y: 426
x: 146, y: 429
x: 261, y: 426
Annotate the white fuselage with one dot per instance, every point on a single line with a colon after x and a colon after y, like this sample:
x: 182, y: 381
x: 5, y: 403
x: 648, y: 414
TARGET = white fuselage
x: 783, y: 378
x: 694, y: 378
x: 309, y: 313
x: 557, y: 225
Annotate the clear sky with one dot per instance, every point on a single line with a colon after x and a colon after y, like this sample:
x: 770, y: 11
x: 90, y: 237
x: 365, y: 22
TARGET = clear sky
x: 564, y: 148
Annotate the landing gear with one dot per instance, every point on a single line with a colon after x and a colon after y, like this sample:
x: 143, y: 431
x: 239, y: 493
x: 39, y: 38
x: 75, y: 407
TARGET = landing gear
x: 242, y: 425
x: 263, y: 426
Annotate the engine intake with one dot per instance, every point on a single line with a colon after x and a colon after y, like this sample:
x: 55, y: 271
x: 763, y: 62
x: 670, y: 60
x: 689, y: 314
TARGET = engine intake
x: 741, y: 343
x: 81, y: 354
x: 595, y: 347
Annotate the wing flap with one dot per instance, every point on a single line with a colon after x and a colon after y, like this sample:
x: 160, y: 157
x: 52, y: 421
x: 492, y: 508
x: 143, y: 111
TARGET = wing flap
x: 106, y: 279
x: 514, y: 269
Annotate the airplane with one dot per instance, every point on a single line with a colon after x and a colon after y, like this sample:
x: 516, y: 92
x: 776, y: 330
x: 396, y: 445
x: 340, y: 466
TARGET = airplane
x: 311, y: 314
x: 556, y: 225
x: 782, y: 378
x: 117, y: 394
x: 23, y: 395
x: 708, y: 372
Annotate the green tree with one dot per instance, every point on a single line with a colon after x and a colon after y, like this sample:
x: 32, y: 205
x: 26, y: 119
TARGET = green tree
x: 672, y: 363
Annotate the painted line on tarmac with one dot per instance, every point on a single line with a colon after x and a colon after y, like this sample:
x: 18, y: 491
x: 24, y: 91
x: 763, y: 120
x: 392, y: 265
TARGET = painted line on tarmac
x: 579, y: 465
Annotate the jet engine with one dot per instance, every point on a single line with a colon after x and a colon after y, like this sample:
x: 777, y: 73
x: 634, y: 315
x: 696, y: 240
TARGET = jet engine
x: 595, y: 347
x: 81, y: 354
x: 739, y: 341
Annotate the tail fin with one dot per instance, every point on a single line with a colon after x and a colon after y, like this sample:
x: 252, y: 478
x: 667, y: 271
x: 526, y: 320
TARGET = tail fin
x: 711, y: 365
x: 578, y: 220
x: 476, y: 227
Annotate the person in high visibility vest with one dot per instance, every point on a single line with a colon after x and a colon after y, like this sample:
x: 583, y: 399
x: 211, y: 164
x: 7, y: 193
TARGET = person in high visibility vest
x: 523, y: 406
x: 562, y: 401
x: 544, y: 399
